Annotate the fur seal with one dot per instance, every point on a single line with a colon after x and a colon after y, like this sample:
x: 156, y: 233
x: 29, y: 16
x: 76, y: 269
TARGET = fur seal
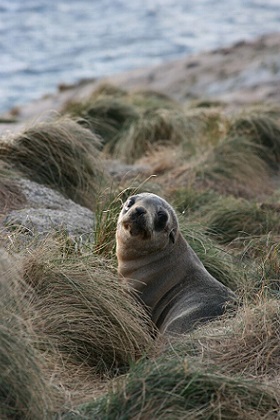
x: 160, y: 266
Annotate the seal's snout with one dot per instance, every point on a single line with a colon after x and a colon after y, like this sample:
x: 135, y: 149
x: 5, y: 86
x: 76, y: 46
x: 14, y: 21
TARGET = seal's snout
x: 139, y: 211
x: 135, y: 221
x: 137, y: 216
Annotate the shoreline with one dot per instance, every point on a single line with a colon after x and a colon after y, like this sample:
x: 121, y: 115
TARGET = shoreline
x: 244, y: 73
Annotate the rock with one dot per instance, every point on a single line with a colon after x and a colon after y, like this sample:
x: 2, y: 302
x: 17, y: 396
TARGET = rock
x: 47, y: 211
x: 121, y: 171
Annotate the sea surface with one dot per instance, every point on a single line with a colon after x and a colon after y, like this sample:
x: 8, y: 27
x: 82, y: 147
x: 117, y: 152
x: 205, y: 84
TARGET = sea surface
x: 47, y: 42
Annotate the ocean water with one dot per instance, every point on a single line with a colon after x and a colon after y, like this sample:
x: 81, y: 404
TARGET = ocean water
x: 47, y: 42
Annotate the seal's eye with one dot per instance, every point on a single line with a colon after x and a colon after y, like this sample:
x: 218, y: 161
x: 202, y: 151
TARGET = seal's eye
x: 129, y: 203
x: 160, y: 220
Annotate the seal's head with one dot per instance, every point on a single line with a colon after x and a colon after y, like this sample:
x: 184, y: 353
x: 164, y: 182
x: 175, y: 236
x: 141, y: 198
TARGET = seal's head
x: 146, y: 223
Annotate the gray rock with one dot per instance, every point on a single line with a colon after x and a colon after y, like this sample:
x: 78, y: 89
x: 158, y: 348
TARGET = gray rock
x: 48, y: 211
x: 40, y: 196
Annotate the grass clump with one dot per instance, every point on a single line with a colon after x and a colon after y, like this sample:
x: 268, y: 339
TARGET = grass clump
x: 161, y: 126
x: 24, y: 391
x: 130, y: 123
x: 110, y: 112
x: 208, y: 126
x: 189, y: 200
x: 85, y: 311
x: 106, y: 117
x: 217, y: 261
x: 236, y: 219
x: 253, y: 348
x: 169, y: 388
x: 151, y: 100
x: 246, y: 345
x: 11, y: 196
x: 60, y: 154
x: 234, y: 167
x: 264, y: 251
x: 262, y: 127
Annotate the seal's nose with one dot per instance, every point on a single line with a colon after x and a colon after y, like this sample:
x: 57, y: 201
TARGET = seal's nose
x: 138, y: 211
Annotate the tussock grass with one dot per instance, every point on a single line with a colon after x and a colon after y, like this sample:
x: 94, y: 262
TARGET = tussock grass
x: 246, y: 345
x: 235, y: 167
x: 231, y: 219
x: 189, y: 200
x: 107, y: 117
x: 130, y: 123
x: 259, y: 246
x: 194, y: 129
x: 162, y: 126
x: 217, y: 261
x: 208, y: 127
x: 256, y: 349
x: 262, y: 126
x: 234, y: 155
x: 139, y: 99
x: 171, y: 388
x: 110, y: 112
x: 108, y: 89
x: 264, y: 252
x: 24, y: 391
x: 78, y: 108
x: 83, y: 309
x: 60, y: 154
x: 11, y: 196
x: 151, y: 100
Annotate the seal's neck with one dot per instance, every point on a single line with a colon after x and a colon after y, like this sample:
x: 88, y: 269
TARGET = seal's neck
x: 153, y: 275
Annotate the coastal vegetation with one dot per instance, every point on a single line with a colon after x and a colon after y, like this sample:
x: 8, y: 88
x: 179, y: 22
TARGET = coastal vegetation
x: 74, y: 343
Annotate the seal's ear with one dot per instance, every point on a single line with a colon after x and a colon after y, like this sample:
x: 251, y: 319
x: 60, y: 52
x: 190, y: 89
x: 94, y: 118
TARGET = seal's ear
x: 172, y: 235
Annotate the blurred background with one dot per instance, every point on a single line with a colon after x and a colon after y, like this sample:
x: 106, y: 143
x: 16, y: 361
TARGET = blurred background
x: 47, y: 42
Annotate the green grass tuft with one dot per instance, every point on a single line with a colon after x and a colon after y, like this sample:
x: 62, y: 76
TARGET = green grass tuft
x: 262, y: 127
x: 231, y: 219
x: 217, y: 261
x: 161, y: 126
x: 234, y: 165
x: 175, y: 388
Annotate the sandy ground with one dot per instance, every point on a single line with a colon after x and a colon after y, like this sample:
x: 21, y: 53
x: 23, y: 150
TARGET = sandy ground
x: 243, y: 73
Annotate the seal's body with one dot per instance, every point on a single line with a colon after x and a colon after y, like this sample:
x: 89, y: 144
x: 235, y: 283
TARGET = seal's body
x: 159, y: 264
